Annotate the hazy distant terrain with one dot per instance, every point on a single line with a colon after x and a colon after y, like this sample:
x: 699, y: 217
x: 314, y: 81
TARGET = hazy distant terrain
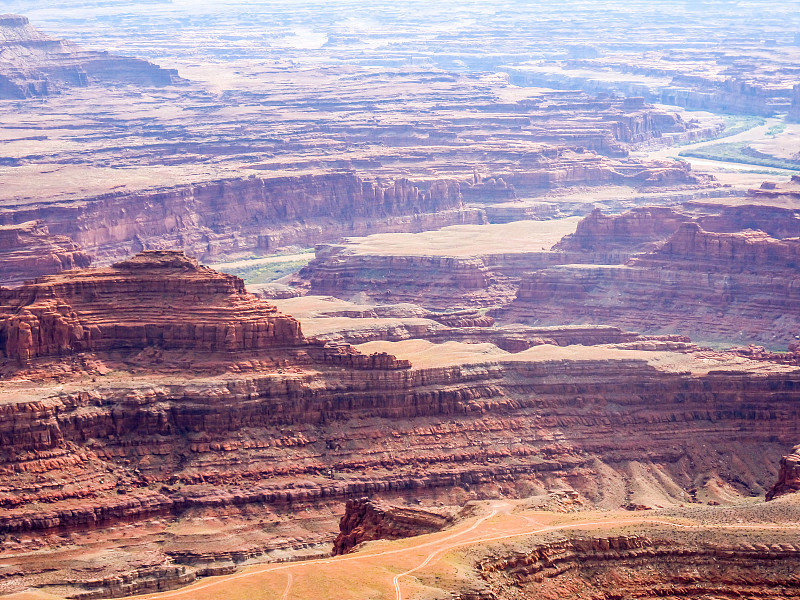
x: 516, y: 280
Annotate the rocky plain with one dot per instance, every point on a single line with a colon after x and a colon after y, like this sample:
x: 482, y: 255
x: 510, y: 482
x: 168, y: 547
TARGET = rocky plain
x: 399, y: 300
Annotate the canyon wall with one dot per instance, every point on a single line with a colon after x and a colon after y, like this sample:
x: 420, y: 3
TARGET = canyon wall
x: 695, y: 92
x: 239, y: 215
x: 175, y: 394
x: 252, y: 214
x: 614, y: 238
x: 735, y: 281
x: 161, y: 446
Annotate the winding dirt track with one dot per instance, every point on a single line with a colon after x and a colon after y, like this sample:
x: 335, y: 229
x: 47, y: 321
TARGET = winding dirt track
x: 288, y: 586
x: 437, y: 544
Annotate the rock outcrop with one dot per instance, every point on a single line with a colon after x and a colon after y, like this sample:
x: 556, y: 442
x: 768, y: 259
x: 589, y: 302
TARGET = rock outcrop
x: 28, y: 251
x: 33, y: 64
x: 158, y: 298
x: 614, y: 238
x: 788, y: 476
x: 732, y: 282
x: 647, y: 567
x: 366, y: 519
x: 749, y: 251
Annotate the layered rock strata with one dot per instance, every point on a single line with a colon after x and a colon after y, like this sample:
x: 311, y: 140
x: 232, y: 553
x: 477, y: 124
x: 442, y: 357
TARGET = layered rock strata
x: 254, y: 214
x: 447, y: 276
x: 156, y: 445
x: 28, y: 251
x: 33, y: 64
x: 706, y: 270
x: 184, y: 409
x: 647, y: 567
x: 613, y: 238
x: 365, y: 519
x: 734, y: 286
x: 157, y: 298
x: 248, y: 214
x: 337, y: 322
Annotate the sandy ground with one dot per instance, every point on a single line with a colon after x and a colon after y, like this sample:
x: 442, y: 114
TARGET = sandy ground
x: 468, y: 240
x: 425, y: 354
x: 387, y: 569
x: 785, y: 144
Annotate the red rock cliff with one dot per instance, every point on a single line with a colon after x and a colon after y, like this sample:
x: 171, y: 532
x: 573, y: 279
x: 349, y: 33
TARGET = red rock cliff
x: 235, y: 215
x: 157, y: 298
x: 708, y: 285
x: 366, y: 519
x: 628, y: 231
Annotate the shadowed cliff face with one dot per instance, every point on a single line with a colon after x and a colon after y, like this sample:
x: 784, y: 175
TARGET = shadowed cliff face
x: 252, y: 214
x: 789, y: 475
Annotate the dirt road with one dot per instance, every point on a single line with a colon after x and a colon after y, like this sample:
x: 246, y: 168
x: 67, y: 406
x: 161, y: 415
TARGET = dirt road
x: 385, y: 567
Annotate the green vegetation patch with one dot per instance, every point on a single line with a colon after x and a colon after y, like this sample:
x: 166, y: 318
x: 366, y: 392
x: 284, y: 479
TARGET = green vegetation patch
x: 776, y: 129
x: 739, y: 152
x: 265, y: 273
x: 734, y: 125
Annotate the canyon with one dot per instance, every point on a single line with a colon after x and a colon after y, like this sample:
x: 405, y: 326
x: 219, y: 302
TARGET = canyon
x: 640, y: 269
x: 383, y: 300
x: 157, y: 418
